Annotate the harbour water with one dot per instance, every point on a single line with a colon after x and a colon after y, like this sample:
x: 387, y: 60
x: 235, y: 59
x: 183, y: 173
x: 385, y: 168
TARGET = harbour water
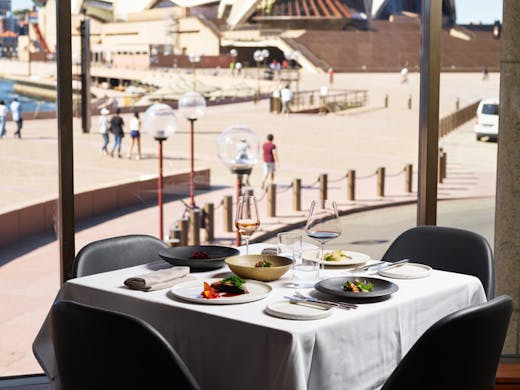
x: 28, y: 104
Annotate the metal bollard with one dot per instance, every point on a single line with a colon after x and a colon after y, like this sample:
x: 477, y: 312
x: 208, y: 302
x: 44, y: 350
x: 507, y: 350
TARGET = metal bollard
x: 351, y: 184
x: 444, y: 164
x: 410, y: 102
x: 183, y: 226
x: 194, y: 229
x: 323, y: 188
x: 381, y: 181
x: 386, y: 100
x: 209, y: 221
x: 271, y: 200
x: 408, y: 177
x: 227, y: 208
x: 297, y: 194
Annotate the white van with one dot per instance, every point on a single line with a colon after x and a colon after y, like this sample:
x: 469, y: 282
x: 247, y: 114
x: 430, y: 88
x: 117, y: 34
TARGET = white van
x: 486, y: 121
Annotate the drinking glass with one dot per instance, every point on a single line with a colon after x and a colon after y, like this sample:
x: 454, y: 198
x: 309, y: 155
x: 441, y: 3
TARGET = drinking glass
x: 288, y: 244
x: 246, y: 218
x: 306, y: 266
x: 323, y: 225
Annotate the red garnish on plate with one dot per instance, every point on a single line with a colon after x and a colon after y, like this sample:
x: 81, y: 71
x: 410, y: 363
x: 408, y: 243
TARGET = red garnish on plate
x: 199, y: 255
x: 209, y: 292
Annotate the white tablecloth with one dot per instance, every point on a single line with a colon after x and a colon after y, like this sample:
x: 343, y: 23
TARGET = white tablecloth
x: 239, y: 346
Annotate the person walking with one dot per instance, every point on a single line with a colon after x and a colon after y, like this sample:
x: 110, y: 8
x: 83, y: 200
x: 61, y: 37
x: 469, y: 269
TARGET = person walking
x: 135, y: 126
x: 116, y: 127
x: 104, y: 127
x: 3, y: 117
x: 270, y: 157
x: 16, y: 116
x: 286, y: 97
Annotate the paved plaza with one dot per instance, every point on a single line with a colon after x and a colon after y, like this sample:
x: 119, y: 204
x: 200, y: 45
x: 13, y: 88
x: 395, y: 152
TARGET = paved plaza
x: 308, y: 145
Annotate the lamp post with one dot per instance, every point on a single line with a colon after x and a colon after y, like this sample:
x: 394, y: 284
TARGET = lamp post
x: 160, y: 122
x: 192, y: 106
x: 259, y: 56
x: 239, y: 149
x: 194, y: 58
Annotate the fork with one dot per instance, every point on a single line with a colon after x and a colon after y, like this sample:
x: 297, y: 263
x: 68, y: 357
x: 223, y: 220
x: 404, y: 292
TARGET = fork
x: 342, y: 305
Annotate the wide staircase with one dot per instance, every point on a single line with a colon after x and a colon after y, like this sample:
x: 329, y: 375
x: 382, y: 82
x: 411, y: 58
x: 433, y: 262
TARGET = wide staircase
x: 389, y: 46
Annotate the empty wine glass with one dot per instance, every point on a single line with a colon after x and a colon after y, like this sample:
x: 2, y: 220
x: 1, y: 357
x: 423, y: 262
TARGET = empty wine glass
x: 323, y: 224
x: 246, y: 218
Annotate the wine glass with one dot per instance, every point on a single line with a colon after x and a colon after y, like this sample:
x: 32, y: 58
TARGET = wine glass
x: 246, y: 218
x: 323, y: 225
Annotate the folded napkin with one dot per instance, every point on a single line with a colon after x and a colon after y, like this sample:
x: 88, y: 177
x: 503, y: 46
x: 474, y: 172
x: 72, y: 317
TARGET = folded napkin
x: 157, y: 280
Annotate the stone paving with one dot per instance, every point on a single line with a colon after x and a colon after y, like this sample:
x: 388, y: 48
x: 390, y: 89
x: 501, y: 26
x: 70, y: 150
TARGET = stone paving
x: 361, y: 139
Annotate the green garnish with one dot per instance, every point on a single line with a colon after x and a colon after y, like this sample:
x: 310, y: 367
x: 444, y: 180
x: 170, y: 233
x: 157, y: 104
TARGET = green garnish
x: 358, y: 286
x: 236, y: 281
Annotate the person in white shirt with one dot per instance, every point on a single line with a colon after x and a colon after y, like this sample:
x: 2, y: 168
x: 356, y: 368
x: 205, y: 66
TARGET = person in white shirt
x: 286, y: 97
x: 104, y: 127
x: 16, y: 116
x: 3, y: 118
x: 135, y: 134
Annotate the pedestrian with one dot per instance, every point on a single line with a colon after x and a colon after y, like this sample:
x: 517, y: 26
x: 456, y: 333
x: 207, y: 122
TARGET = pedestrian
x: 270, y: 157
x: 104, y: 127
x: 3, y: 117
x: 238, y: 67
x: 232, y: 68
x: 116, y: 128
x: 135, y: 133
x: 404, y: 74
x: 286, y: 97
x: 331, y: 76
x: 485, y: 73
x: 16, y: 116
x: 243, y: 157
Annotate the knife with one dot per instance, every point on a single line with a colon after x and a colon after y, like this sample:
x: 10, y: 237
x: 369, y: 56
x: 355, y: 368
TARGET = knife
x: 391, y: 265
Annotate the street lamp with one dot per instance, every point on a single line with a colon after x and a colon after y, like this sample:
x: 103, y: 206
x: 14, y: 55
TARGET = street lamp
x: 259, y: 56
x: 194, y: 59
x: 239, y: 149
x: 292, y: 57
x: 160, y: 122
x: 192, y: 106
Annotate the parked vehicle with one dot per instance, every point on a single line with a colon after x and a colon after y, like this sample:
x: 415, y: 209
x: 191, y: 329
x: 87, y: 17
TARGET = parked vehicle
x: 486, y: 121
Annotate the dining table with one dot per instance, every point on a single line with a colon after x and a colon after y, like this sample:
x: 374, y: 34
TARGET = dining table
x: 241, y: 346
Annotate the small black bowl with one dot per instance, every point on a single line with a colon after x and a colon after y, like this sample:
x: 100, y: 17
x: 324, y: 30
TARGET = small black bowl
x: 182, y: 255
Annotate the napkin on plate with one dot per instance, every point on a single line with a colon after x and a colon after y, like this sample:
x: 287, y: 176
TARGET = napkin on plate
x: 157, y: 280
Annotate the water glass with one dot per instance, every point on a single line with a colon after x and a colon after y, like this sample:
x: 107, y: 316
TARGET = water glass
x: 306, y: 266
x: 288, y: 243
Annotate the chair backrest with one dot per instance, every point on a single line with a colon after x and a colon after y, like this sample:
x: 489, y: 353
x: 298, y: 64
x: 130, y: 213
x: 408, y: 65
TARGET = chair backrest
x: 447, y: 249
x: 100, y: 349
x: 460, y: 351
x: 116, y: 252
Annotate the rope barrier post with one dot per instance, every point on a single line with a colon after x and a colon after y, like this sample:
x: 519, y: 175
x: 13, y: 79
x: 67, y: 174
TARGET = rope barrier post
x: 297, y: 194
x: 271, y: 200
x: 381, y: 181
x: 228, y: 213
x: 183, y: 226
x: 444, y: 164
x: 323, y: 188
x: 194, y: 229
x: 209, y: 221
x: 410, y: 102
x: 351, y: 184
x: 439, y: 169
x: 386, y: 100
x: 408, y: 177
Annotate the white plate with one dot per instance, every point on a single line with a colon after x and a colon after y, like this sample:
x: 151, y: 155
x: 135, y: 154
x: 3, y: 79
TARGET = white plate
x: 190, y: 291
x: 297, y: 311
x: 356, y: 258
x: 407, y: 271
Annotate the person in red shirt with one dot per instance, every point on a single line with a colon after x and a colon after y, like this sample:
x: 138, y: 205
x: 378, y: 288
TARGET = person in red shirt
x: 270, y: 159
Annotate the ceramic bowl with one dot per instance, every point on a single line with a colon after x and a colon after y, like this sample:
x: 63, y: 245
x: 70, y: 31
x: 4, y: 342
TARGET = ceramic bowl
x: 244, y: 266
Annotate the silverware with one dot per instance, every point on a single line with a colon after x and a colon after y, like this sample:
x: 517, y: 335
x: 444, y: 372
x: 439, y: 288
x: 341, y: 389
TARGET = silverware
x: 392, y: 265
x: 341, y: 305
x: 379, y: 264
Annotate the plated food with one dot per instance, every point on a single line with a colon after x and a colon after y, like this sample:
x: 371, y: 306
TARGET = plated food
x: 198, y: 257
x: 340, y: 257
x: 265, y: 268
x: 341, y: 286
x: 218, y: 291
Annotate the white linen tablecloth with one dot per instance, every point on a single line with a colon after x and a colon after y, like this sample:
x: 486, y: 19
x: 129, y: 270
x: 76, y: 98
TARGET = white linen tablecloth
x: 240, y: 346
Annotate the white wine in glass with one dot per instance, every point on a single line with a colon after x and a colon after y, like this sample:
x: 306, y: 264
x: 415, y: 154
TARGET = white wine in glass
x: 246, y: 218
x: 323, y: 224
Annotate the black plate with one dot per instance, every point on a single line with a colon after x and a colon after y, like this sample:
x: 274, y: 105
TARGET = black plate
x: 180, y: 255
x: 334, y: 286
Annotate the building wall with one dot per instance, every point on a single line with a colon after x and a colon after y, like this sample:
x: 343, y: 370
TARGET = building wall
x: 47, y: 24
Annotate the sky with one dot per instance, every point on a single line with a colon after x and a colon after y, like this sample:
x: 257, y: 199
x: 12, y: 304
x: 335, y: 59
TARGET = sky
x: 486, y: 11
